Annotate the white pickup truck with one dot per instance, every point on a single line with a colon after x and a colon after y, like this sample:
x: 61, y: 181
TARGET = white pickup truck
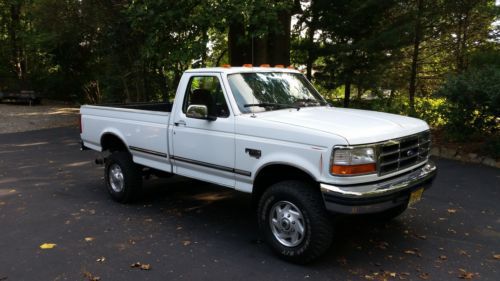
x: 268, y: 132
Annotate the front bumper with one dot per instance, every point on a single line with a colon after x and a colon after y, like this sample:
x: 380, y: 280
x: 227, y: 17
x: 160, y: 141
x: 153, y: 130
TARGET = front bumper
x: 377, y: 196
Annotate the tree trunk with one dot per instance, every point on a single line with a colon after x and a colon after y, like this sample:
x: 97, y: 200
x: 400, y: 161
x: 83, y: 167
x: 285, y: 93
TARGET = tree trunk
x: 311, y: 57
x: 279, y: 42
x: 16, y: 50
x: 360, y: 92
x: 238, y: 43
x: 347, y: 93
x: 462, y: 41
x: 260, y: 50
x: 414, y: 61
x: 311, y: 50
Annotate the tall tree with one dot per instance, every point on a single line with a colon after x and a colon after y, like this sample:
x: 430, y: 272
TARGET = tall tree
x: 259, y: 32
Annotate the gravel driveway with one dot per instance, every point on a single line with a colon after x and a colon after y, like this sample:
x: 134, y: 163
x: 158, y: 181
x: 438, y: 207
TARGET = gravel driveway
x: 20, y: 118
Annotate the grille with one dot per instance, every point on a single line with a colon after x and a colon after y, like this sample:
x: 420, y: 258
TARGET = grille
x: 402, y: 153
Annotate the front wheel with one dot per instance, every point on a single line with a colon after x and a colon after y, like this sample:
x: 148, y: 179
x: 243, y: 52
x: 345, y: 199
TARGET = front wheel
x: 294, y: 222
x: 123, y: 177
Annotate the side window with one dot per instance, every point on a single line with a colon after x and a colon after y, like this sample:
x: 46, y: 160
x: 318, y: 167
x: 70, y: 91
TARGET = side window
x: 206, y: 90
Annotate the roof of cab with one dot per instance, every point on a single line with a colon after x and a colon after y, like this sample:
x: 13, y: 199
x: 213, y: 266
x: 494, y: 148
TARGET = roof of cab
x: 230, y: 70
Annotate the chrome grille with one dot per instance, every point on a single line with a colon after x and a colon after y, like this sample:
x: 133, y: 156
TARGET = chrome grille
x: 397, y: 154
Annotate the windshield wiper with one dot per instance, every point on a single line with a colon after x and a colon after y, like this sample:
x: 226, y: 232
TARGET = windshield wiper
x: 307, y: 102
x: 266, y: 104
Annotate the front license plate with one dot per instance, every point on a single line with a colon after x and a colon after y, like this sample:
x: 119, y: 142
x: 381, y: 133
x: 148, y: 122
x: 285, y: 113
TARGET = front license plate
x: 415, y: 196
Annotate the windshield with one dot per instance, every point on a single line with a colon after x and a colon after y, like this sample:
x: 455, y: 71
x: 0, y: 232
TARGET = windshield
x: 264, y: 91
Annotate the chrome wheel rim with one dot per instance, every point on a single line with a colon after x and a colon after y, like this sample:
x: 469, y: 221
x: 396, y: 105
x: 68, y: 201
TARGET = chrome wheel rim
x: 116, y: 180
x: 287, y: 223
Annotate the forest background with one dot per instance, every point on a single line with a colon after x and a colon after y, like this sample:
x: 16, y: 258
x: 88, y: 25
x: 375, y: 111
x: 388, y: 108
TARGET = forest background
x: 438, y: 60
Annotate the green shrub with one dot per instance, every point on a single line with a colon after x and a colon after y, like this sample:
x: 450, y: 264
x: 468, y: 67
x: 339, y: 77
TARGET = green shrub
x: 473, y: 102
x: 492, y: 146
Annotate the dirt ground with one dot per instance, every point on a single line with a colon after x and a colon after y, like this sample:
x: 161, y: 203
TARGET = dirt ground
x: 20, y: 118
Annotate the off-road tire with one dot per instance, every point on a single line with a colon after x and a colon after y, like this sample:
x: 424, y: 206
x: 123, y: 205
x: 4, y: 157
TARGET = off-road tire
x: 318, y: 234
x: 131, y: 174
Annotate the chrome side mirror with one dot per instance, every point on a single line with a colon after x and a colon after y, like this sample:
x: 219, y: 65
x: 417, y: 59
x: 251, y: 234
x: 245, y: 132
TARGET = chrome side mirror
x: 199, y: 111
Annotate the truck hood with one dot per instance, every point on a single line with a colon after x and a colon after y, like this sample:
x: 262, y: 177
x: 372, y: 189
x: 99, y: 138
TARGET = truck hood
x: 356, y: 126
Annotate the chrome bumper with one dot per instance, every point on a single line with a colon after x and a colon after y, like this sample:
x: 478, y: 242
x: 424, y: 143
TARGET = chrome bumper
x: 377, y: 196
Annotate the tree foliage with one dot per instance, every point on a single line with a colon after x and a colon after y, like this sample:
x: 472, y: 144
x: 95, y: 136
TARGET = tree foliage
x: 127, y: 50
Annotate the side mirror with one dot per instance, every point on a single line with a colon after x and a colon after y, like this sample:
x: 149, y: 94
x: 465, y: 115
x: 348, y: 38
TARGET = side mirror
x: 198, y: 111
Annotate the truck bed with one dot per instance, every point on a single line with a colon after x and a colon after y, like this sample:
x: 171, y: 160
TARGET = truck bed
x: 142, y: 127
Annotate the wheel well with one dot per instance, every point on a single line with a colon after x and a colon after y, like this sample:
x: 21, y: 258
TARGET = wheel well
x: 112, y: 143
x: 276, y: 173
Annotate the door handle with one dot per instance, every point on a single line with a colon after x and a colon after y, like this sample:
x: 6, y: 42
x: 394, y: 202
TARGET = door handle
x: 180, y: 122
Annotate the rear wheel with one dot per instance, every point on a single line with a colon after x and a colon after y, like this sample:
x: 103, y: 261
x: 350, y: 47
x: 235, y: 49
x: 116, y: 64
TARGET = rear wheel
x: 123, y: 177
x: 294, y: 222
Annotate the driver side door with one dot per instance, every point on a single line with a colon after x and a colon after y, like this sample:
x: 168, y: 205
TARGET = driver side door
x: 204, y: 149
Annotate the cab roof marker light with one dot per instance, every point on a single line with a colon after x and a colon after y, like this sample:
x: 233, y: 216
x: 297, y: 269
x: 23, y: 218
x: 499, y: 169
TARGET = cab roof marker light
x: 247, y: 65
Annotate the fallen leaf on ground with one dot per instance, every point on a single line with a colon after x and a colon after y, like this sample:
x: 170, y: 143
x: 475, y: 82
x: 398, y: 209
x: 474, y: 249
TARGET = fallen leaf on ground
x: 422, y: 237
x: 382, y: 245
x: 464, y: 253
x: 452, y: 211
x: 89, y: 239
x: 101, y: 259
x: 46, y: 246
x: 424, y: 276
x: 497, y: 256
x: 465, y: 275
x: 404, y: 275
x: 186, y: 242
x: 91, y: 277
x: 145, y: 267
x: 443, y: 257
x: 411, y: 252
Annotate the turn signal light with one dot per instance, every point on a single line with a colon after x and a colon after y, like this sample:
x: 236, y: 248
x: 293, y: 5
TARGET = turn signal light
x: 353, y: 169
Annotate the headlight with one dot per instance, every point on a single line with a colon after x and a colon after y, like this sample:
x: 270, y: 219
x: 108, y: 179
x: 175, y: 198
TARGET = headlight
x: 353, y: 161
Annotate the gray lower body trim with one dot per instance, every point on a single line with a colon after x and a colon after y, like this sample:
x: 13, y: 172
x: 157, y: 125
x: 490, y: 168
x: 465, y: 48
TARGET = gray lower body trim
x: 147, y: 151
x: 212, y: 166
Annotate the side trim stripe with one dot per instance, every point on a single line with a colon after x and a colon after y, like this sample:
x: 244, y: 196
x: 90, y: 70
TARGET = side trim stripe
x: 147, y: 151
x: 212, y: 166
